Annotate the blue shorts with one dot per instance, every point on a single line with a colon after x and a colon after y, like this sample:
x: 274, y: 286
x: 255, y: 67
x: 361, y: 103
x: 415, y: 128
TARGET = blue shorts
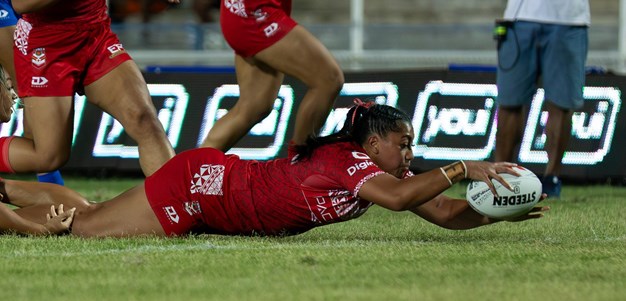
x: 8, y: 17
x: 555, y: 52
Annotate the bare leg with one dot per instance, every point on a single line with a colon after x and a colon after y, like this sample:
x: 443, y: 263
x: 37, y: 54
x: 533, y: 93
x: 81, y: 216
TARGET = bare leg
x: 298, y: 54
x: 559, y: 131
x: 258, y: 86
x: 129, y: 214
x: 123, y: 93
x: 302, y: 56
x: 6, y: 50
x: 510, y: 128
x: 50, y: 145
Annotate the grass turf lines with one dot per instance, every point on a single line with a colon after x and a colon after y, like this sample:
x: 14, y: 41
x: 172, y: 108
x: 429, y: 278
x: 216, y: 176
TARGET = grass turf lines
x: 575, y: 253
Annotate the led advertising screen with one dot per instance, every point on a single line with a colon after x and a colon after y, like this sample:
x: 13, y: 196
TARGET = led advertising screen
x: 453, y: 113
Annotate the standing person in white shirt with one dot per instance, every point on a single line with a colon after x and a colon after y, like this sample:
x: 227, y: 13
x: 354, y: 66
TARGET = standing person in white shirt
x: 547, y: 39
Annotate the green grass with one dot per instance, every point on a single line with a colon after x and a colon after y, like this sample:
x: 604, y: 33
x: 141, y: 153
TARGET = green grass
x: 577, y: 252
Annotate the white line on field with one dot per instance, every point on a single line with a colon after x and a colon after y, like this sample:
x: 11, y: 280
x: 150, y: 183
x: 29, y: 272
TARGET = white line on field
x: 158, y: 249
x: 210, y: 246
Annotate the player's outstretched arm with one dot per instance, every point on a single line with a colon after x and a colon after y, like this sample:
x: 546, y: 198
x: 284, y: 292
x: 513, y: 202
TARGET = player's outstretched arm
x: 456, y: 214
x: 58, y: 221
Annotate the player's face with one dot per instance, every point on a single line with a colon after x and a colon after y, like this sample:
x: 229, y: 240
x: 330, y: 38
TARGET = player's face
x: 394, y: 152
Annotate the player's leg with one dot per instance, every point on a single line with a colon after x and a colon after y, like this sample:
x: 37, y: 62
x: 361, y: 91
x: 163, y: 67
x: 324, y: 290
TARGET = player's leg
x: 301, y: 55
x: 129, y: 214
x: 563, y: 61
x: 516, y: 82
x: 511, y: 122
x: 6, y: 60
x: 53, y: 177
x: 558, y: 132
x: 123, y: 94
x: 258, y: 89
x: 49, y: 147
x: 6, y: 49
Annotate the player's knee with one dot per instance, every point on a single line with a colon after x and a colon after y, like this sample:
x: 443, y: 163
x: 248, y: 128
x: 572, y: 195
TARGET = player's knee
x: 251, y: 114
x: 141, y: 121
x: 337, y: 79
x: 83, y: 225
x: 50, y: 161
x: 332, y: 81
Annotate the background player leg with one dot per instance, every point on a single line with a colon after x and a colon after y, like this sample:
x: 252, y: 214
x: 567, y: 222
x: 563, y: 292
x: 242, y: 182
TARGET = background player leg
x: 6, y: 60
x: 558, y: 131
x: 49, y: 147
x: 123, y: 94
x: 301, y: 55
x: 298, y: 54
x: 258, y: 89
x: 511, y: 123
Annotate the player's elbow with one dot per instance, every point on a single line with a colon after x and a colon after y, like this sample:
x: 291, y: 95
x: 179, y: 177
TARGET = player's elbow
x: 396, y: 202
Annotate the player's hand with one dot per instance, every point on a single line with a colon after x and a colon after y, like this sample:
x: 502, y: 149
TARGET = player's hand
x: 485, y: 171
x: 536, y: 212
x: 59, y: 220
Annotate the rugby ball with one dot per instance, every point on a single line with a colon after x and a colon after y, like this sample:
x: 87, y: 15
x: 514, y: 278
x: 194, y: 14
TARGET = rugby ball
x: 508, y: 204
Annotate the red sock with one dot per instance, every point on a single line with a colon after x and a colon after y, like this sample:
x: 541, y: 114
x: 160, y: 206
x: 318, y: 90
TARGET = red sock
x: 5, y: 166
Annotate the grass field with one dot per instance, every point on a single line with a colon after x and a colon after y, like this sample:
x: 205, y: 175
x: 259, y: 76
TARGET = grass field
x: 577, y: 252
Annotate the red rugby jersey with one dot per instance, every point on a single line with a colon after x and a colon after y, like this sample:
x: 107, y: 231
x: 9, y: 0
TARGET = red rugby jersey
x: 284, y: 197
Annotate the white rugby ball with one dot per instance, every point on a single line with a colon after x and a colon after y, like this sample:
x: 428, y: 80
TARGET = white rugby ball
x: 508, y: 204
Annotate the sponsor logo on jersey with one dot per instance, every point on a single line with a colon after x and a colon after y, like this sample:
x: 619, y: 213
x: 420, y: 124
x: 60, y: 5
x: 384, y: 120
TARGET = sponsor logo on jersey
x: 337, y: 205
x: 208, y: 181
x: 3, y: 13
x: 360, y: 155
x: 271, y: 29
x: 193, y: 207
x: 260, y: 15
x: 171, y: 214
x: 115, y: 50
x: 39, y: 57
x: 39, y: 82
x: 359, y: 166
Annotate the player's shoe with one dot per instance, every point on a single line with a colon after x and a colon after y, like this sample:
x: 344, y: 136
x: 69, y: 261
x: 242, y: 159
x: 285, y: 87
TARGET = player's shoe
x: 551, y: 186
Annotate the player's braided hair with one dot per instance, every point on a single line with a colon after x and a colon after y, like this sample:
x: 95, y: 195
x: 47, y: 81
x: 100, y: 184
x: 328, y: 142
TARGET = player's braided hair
x: 362, y: 120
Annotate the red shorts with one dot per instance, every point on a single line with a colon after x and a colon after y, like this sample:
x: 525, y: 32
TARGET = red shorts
x: 180, y: 191
x: 61, y: 59
x: 250, y: 30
